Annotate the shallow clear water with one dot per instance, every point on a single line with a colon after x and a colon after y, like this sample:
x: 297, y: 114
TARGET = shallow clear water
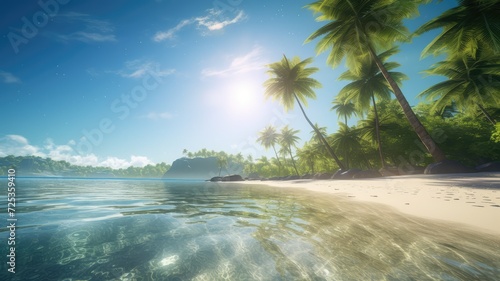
x: 173, y: 230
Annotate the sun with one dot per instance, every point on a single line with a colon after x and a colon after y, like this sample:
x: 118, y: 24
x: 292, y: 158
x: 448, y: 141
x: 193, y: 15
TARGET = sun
x: 244, y: 96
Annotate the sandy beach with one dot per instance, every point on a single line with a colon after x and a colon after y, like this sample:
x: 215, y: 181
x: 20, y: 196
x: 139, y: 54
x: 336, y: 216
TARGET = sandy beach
x: 469, y: 201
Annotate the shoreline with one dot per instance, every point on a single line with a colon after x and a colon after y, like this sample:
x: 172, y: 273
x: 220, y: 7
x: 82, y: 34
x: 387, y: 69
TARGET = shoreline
x: 469, y: 201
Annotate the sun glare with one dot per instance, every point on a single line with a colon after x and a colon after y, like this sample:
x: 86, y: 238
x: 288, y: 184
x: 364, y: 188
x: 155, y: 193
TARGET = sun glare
x: 244, y: 96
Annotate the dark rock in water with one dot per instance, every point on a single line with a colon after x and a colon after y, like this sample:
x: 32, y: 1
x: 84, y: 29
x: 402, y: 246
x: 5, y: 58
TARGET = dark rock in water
x: 345, y: 175
x: 389, y: 171
x: 228, y: 178
x: 489, y: 167
x: 448, y: 167
x: 323, y: 176
x: 232, y: 178
x: 275, y: 178
x: 367, y: 174
x: 216, y: 179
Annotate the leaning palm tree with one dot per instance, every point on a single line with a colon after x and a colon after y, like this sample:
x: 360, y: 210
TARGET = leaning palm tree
x: 471, y: 25
x: 357, y: 29
x: 289, y: 138
x: 268, y: 138
x: 290, y: 81
x: 473, y: 82
x: 344, y: 108
x: 368, y: 83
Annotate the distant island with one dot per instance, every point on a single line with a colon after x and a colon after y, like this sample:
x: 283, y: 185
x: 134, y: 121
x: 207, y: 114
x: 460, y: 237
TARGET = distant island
x: 45, y: 167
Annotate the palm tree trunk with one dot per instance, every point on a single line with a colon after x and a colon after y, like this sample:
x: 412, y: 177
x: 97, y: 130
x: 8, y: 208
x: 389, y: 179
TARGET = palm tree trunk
x: 279, y: 162
x: 377, y: 133
x: 422, y: 133
x: 325, y: 143
x: 488, y: 116
x: 345, y: 120
x: 293, y: 160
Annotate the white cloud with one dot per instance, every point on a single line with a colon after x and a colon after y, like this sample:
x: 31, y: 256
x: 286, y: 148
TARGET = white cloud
x: 139, y: 161
x: 214, y: 20
x: 159, y: 116
x: 88, y: 37
x: 170, y: 34
x: 9, y: 78
x: 139, y: 69
x: 211, y: 23
x: 94, y: 30
x: 248, y: 62
x: 19, y: 146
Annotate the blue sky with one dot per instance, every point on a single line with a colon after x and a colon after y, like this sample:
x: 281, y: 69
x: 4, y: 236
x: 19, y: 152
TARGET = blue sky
x: 120, y: 83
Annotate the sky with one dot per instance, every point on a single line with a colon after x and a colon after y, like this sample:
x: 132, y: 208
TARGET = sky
x: 117, y: 83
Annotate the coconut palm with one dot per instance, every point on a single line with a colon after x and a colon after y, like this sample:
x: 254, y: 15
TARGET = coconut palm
x: 473, y: 82
x: 268, y: 138
x: 356, y: 29
x: 289, y: 138
x: 222, y: 161
x: 308, y: 155
x: 471, y: 25
x: 344, y: 108
x: 315, y: 136
x: 346, y: 142
x: 290, y: 81
x: 368, y: 83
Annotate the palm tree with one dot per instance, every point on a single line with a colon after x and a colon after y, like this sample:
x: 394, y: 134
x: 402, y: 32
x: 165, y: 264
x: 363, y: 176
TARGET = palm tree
x: 268, y: 138
x: 473, y: 82
x: 290, y: 82
x: 356, y: 29
x: 308, y: 155
x: 346, y: 142
x: 315, y: 136
x: 471, y: 25
x: 288, y: 139
x: 222, y: 161
x: 344, y: 108
x: 368, y: 83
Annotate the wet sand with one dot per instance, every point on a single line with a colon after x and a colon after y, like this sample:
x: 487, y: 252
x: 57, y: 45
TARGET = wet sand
x: 469, y: 201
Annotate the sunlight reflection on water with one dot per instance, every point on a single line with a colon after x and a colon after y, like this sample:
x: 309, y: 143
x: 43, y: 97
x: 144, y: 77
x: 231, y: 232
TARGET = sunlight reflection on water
x: 166, y: 230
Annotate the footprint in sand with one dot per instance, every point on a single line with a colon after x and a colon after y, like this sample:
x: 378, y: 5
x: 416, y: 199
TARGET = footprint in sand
x: 498, y: 206
x: 480, y: 206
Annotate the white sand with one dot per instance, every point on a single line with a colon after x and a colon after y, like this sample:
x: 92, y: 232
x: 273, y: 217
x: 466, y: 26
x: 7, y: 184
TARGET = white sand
x: 469, y: 201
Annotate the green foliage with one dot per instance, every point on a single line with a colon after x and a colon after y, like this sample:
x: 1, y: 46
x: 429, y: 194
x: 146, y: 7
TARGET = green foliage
x: 290, y: 80
x: 355, y: 26
x: 37, y: 166
x: 471, y: 25
x: 495, y: 136
x: 472, y: 84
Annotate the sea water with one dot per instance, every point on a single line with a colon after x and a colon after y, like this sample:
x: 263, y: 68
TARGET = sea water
x: 94, y: 229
